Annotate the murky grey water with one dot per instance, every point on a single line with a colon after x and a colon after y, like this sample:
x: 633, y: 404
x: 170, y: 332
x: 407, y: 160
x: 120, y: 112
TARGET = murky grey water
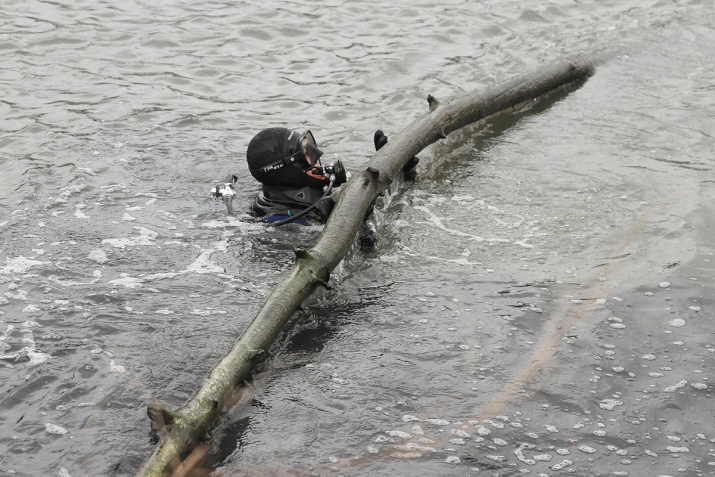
x: 541, y: 300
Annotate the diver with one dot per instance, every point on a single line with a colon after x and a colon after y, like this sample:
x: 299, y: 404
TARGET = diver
x: 288, y: 166
x: 293, y: 180
x: 295, y: 186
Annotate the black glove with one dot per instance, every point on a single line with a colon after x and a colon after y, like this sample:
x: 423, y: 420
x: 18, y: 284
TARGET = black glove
x: 325, y: 207
x: 380, y: 139
x: 409, y: 171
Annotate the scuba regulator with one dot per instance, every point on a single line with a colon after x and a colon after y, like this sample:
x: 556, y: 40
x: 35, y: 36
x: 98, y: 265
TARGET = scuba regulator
x: 336, y: 172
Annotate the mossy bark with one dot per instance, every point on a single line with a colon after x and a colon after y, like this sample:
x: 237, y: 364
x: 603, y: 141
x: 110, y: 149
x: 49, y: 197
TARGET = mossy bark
x: 182, y: 430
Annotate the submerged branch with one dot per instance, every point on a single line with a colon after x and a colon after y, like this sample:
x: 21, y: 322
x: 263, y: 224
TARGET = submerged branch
x: 183, y: 430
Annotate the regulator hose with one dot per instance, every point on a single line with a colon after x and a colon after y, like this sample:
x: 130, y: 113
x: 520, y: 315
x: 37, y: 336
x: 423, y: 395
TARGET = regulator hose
x: 305, y: 211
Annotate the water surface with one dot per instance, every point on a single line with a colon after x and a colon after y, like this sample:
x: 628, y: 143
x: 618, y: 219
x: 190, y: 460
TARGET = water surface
x: 540, y: 300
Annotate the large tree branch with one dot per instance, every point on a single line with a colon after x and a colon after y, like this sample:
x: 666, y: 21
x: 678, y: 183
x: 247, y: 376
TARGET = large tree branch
x: 182, y: 430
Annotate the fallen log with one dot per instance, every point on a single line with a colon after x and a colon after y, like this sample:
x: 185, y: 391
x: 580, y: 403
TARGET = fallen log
x: 182, y: 430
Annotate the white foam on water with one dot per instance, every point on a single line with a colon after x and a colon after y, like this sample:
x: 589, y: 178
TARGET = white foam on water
x: 146, y: 237
x: 407, y: 455
x: 19, y: 265
x: 564, y: 463
x: 7, y: 331
x: 72, y: 283
x: 127, y: 282
x: 98, y: 255
x: 677, y: 323
x: 410, y: 418
x: 522, y: 243
x: 457, y: 261
x: 202, y: 264
x: 399, y: 434
x: 467, y: 198
x: 88, y: 170
x: 116, y: 368
x: 437, y: 222
x: 676, y: 386
x: 498, y: 425
x: 55, y: 429
x: 460, y: 433
x: 677, y: 450
x: 64, y: 472
x: 519, y: 453
x: 483, y: 431
x: 610, y: 404
x: 161, y: 276
x: 496, y: 458
x: 438, y: 422
x: 36, y: 358
x: 231, y: 221
x: 207, y: 312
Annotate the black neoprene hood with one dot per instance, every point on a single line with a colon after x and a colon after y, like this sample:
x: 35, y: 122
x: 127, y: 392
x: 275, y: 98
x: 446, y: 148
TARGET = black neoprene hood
x: 275, y: 158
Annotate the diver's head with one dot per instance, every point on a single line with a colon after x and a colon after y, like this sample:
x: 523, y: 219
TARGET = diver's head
x: 280, y: 156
